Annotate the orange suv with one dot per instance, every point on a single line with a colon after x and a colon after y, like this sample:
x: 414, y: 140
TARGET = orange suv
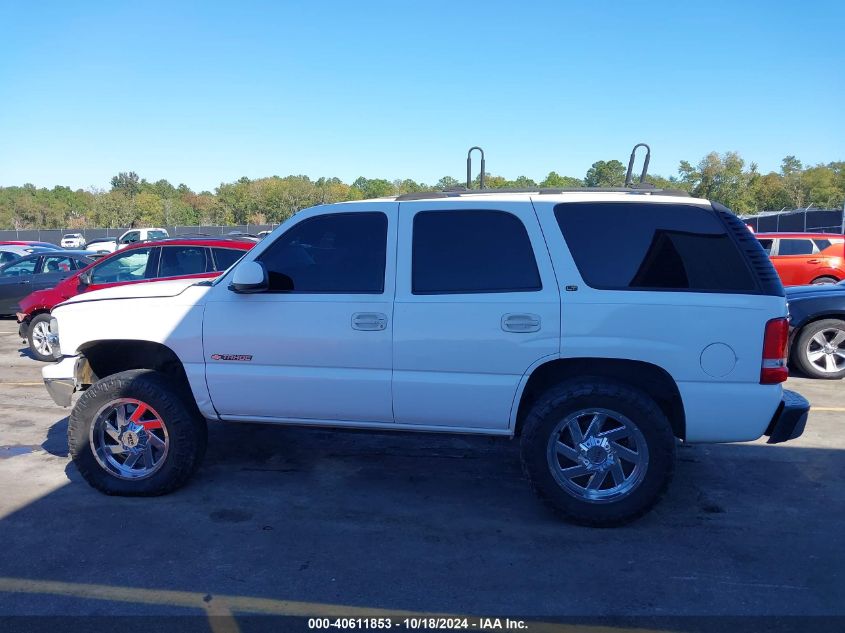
x: 806, y: 258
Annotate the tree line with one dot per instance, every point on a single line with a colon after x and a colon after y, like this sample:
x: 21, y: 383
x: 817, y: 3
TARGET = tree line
x: 132, y: 200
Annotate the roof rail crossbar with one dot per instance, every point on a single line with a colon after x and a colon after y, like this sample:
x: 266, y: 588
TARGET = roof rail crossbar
x: 629, y: 174
x: 469, y: 168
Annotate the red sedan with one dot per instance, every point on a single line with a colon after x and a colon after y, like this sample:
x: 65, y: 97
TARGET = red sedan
x: 175, y: 258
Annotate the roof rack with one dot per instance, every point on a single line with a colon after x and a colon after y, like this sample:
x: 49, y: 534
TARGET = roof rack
x: 469, y: 168
x: 644, y: 173
x: 645, y: 190
x: 641, y: 187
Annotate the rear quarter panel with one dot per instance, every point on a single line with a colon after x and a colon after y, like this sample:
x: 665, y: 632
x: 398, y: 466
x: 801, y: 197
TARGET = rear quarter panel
x: 710, y: 343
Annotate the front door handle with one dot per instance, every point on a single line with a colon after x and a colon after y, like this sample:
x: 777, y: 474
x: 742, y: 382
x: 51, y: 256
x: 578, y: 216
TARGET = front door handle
x: 814, y: 261
x: 369, y: 321
x: 521, y: 322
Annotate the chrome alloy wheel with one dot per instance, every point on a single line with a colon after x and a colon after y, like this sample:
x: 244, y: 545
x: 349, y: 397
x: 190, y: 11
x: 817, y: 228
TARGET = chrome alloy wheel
x: 597, y: 455
x: 129, y: 439
x: 826, y: 350
x: 40, y: 338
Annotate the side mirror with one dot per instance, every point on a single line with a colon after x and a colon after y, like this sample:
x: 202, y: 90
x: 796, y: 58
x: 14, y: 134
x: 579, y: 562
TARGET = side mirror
x: 85, y: 278
x: 249, y: 277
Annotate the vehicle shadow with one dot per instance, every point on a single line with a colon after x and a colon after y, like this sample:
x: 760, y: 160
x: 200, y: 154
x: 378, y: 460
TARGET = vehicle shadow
x: 447, y: 524
x: 25, y: 352
x: 56, y: 441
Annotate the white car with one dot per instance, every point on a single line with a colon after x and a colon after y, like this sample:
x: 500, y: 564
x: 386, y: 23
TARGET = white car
x: 130, y: 237
x: 599, y: 327
x: 73, y: 240
x: 103, y: 245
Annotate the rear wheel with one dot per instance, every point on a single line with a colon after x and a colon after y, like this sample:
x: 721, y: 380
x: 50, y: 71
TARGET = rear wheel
x: 598, y: 452
x: 134, y: 434
x: 38, y: 338
x: 819, y: 281
x: 819, y: 349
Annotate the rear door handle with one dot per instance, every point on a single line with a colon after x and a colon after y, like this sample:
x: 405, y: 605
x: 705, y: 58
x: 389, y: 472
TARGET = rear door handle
x: 369, y: 321
x: 814, y: 261
x: 521, y: 322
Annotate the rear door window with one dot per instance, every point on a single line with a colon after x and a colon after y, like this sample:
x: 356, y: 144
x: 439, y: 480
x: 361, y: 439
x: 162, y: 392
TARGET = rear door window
x: 653, y: 246
x: 767, y: 245
x: 788, y: 246
x: 57, y: 264
x: 472, y: 251
x: 176, y: 261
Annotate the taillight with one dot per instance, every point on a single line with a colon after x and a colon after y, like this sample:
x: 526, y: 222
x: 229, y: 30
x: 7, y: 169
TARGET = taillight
x: 773, y: 369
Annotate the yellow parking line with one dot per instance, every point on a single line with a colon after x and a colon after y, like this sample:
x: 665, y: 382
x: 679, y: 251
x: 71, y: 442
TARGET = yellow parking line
x: 23, y: 384
x: 220, y: 608
x: 834, y: 409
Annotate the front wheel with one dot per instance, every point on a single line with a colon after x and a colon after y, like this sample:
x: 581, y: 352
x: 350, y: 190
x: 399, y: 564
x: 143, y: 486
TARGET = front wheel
x: 134, y: 434
x: 820, y: 281
x: 39, y: 338
x: 598, y: 452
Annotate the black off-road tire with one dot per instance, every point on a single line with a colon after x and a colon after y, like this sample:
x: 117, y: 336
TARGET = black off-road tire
x: 186, y: 430
x: 798, y: 353
x: 41, y: 318
x: 584, y: 393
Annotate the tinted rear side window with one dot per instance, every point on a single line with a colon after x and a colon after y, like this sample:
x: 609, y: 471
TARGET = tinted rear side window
x: 795, y: 247
x: 183, y: 260
x: 472, y: 252
x: 642, y: 246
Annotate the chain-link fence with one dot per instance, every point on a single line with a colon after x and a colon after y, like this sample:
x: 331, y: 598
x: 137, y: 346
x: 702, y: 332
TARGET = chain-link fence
x: 54, y: 236
x: 798, y: 221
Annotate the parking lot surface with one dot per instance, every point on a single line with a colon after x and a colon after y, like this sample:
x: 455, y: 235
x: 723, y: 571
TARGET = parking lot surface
x: 297, y: 521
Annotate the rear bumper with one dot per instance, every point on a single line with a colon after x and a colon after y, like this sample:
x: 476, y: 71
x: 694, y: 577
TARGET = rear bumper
x: 790, y: 418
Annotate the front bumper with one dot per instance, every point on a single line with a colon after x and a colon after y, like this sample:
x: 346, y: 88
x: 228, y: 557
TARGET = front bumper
x: 790, y: 418
x: 60, y: 380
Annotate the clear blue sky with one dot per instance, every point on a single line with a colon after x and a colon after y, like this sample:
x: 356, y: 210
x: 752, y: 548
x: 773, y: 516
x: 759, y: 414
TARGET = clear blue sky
x: 207, y: 92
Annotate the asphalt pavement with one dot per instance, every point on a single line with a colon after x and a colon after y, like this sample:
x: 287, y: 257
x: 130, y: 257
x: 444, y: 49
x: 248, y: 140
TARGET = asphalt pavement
x: 297, y: 522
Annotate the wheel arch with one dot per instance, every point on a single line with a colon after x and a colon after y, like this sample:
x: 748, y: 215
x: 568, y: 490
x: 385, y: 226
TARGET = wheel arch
x: 836, y: 277
x: 107, y: 357
x: 810, y: 319
x: 652, y: 379
x: 795, y: 333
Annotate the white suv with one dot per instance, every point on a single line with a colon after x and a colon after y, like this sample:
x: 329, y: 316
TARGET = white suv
x: 73, y: 240
x: 597, y: 326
